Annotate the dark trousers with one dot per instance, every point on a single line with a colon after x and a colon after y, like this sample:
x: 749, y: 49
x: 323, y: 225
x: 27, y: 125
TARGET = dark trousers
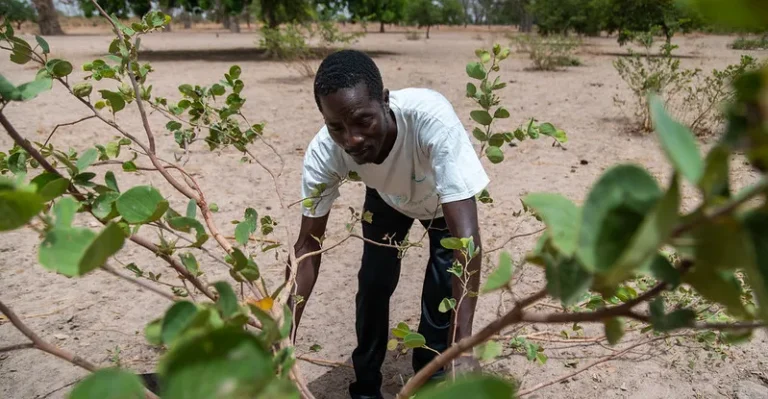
x: 377, y: 280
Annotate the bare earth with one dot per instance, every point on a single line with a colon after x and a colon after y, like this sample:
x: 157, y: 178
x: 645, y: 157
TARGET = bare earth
x: 95, y: 315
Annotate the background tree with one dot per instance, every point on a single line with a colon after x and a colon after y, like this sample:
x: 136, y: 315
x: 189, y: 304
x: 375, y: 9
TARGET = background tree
x: 427, y: 13
x: 47, y: 18
x: 120, y: 8
x: 384, y: 11
x: 17, y: 12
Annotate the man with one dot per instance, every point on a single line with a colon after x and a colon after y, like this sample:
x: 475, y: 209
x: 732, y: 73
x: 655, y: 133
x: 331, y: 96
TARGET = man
x: 413, y: 154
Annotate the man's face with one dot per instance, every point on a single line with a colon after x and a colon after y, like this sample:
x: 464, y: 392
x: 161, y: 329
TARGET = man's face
x: 356, y: 122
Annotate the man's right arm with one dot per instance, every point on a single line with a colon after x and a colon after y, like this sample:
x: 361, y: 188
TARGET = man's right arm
x: 312, y: 228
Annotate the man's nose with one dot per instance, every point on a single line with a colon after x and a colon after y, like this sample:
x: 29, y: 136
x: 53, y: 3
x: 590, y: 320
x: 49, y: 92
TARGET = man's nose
x: 354, y: 141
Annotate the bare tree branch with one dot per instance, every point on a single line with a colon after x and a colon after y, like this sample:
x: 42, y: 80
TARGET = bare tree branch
x: 140, y: 283
x: 66, y: 124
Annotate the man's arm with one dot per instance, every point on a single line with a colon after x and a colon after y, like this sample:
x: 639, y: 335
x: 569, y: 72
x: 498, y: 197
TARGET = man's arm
x: 309, y: 268
x: 461, y: 217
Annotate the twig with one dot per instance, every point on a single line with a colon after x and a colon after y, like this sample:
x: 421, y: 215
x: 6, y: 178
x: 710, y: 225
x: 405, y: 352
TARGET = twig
x: 513, y: 238
x: 589, y: 366
x: 66, y: 124
x: 140, y: 283
x: 323, y: 362
x: 16, y: 347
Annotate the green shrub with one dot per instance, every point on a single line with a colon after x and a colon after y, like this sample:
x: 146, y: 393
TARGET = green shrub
x: 413, y: 35
x: 549, y: 52
x: 744, y: 43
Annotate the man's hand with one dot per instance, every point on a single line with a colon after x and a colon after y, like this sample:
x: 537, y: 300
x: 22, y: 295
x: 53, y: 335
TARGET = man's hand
x: 464, y: 364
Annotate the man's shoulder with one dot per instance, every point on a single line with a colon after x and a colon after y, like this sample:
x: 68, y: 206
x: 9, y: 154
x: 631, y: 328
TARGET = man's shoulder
x: 425, y: 104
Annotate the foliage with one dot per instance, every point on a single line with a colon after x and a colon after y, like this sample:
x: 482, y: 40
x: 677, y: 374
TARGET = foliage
x: 120, y: 8
x: 586, y: 17
x: 744, y: 43
x: 17, y: 12
x: 383, y: 11
x: 549, y: 52
x: 413, y: 35
x: 427, y: 13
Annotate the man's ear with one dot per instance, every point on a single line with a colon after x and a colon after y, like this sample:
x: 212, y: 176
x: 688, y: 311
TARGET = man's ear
x: 385, y: 99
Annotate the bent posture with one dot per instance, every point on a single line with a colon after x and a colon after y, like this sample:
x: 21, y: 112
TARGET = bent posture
x: 413, y: 154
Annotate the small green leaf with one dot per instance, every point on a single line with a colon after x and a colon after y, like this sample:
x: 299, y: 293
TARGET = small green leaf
x: 213, y: 207
x: 153, y: 332
x: 414, y: 340
x: 87, y: 158
x: 191, y: 209
x: 30, y: 90
x: 234, y: 71
x: 17, y: 208
x: 471, y: 89
x: 65, y: 210
x: 176, y: 320
x: 82, y: 89
x: 317, y: 348
x: 401, y: 330
x: 476, y: 70
x: 116, y: 101
x: 677, y: 141
x: 662, y: 322
x: 129, y: 166
x: 190, y: 263
x: 227, y: 301
x: 446, y: 305
x: 111, y: 181
x: 500, y: 277
x: 561, y: 216
x: 479, y: 134
x: 109, y: 383
x: 614, y: 330
x: 392, y: 344
x: 566, y: 280
x: 141, y: 204
x: 54, y: 189
x: 218, y: 90
x: 489, y: 350
x: 58, y: 68
x: 243, y: 230
x: 43, y: 44
x: 103, y: 206
x: 496, y: 140
x: 501, y: 113
x: 185, y: 224
x: 451, y: 243
x: 471, y: 386
x: 494, y: 154
x: 481, y: 116
x: 662, y: 270
x: 107, y: 243
x: 367, y: 217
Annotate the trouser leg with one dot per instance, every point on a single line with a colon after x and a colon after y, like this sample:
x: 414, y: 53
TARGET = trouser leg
x: 377, y: 280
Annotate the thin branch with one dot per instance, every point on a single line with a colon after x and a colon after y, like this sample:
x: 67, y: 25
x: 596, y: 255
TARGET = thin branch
x: 513, y: 238
x: 16, y: 347
x: 513, y: 316
x: 23, y: 143
x: 66, y: 124
x: 323, y: 362
x: 140, y: 283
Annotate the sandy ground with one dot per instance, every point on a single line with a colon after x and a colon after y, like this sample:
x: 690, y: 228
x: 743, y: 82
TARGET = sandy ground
x: 102, y: 318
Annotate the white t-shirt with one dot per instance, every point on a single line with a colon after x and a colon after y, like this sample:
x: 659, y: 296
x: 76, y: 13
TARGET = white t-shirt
x: 432, y: 161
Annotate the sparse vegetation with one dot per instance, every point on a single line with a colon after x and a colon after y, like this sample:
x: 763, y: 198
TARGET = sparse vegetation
x: 550, y: 52
x: 746, y: 43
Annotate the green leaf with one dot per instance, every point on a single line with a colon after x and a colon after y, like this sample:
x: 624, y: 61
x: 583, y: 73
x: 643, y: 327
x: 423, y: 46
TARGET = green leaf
x: 500, y: 277
x: 227, y: 362
x: 63, y: 248
x: 129, y: 166
x: 489, y: 350
x: 22, y: 52
x: 484, y: 55
x: 43, y: 44
x: 452, y: 243
x: 58, y: 68
x: 109, y: 383
x: 65, y: 210
x: 472, y: 386
x: 496, y: 140
x: 414, y: 340
x: 756, y: 223
x: 243, y: 231
x: 227, y: 301
x: 663, y: 322
x: 501, y: 113
x: 548, y: 129
x: 446, y: 305
x: 30, y: 90
x: 401, y: 330
x: 566, y: 280
x: 153, y: 332
x: 185, y: 224
x: 662, y: 270
x: 53, y: 189
x: 141, y: 204
x: 476, y: 70
x: 677, y: 141
x: 82, y: 89
x: 494, y: 154
x: 481, y: 116
x: 17, y: 208
x: 8, y: 91
x: 106, y: 244
x: 176, y: 320
x: 111, y: 181
x: 614, y: 330
x: 191, y: 209
x: 613, y: 212
x: 721, y: 244
x: 115, y: 99
x: 719, y: 286
x: 218, y: 90
x: 479, y: 134
x: 190, y: 263
x: 103, y: 206
x: 87, y: 158
x: 561, y: 216
x: 654, y: 231
x: 471, y: 89
x: 392, y: 344
x: 714, y: 182
x: 315, y: 348
x: 234, y: 71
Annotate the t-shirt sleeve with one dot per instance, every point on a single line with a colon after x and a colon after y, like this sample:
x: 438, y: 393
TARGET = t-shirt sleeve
x: 458, y: 172
x: 322, y: 171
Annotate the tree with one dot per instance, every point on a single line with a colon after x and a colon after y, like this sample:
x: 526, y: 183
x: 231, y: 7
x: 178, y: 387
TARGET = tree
x: 627, y: 16
x: 17, y: 11
x: 120, y: 8
x: 384, y: 11
x: 560, y: 17
x: 427, y: 13
x: 47, y: 18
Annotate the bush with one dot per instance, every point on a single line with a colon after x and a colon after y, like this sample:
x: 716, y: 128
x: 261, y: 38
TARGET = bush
x: 17, y: 11
x: 549, y: 52
x: 743, y: 43
x: 413, y: 35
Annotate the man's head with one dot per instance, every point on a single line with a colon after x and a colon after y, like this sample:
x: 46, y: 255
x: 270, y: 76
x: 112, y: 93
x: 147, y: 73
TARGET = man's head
x: 351, y: 96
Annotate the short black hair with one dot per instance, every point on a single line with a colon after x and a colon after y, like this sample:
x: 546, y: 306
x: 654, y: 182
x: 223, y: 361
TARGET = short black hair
x: 347, y: 68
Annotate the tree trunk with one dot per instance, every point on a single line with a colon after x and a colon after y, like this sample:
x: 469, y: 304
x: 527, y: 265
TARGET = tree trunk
x: 47, y: 18
x: 428, y: 26
x: 187, y: 16
x: 234, y: 24
x: 381, y: 27
x: 247, y: 13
